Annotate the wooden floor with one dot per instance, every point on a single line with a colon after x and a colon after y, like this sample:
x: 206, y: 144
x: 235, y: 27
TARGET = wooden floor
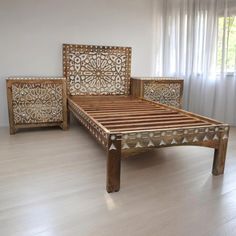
x: 52, y: 183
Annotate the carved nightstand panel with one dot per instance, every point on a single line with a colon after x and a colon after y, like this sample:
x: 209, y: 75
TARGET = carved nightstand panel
x: 35, y: 102
x: 165, y: 90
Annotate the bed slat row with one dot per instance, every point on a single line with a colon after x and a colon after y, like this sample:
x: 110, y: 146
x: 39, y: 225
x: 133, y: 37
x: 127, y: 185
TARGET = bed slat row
x: 121, y: 114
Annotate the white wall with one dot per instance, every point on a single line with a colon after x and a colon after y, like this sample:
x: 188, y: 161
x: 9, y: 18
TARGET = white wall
x: 32, y: 32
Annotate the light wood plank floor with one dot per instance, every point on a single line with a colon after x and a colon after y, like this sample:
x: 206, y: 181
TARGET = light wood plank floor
x: 52, y: 183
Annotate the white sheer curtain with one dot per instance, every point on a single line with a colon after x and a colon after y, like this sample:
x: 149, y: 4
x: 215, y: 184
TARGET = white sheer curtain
x: 196, y: 39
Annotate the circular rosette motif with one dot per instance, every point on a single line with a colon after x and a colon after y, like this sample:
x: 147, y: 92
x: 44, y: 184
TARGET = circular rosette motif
x: 34, y: 103
x: 98, y: 72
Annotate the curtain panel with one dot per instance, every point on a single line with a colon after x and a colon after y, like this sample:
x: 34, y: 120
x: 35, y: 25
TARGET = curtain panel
x: 196, y: 40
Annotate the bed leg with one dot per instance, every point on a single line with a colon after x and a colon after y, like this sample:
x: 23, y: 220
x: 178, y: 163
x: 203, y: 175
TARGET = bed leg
x: 113, y: 163
x: 219, y: 157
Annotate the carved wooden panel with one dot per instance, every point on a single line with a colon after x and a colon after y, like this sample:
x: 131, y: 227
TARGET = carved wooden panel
x: 166, y: 90
x: 37, y: 101
x: 203, y: 136
x: 165, y: 93
x: 97, y: 70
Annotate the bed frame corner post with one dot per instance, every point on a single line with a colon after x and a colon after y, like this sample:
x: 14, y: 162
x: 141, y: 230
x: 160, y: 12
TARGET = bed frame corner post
x: 113, y: 163
x: 220, y: 155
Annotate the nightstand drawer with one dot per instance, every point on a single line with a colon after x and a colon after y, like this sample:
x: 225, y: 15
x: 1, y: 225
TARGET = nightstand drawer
x: 30, y: 114
x: 45, y: 92
x: 168, y: 91
x: 35, y: 102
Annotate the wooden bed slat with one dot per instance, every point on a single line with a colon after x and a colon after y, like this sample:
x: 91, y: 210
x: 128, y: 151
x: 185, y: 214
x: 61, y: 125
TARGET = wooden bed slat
x: 141, y: 117
x: 156, y: 127
x: 131, y: 121
x: 134, y: 114
x: 186, y: 121
x: 129, y: 112
x: 120, y: 110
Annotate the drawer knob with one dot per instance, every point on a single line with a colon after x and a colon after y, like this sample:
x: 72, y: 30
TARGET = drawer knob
x: 23, y: 114
x: 22, y: 93
x: 173, y: 90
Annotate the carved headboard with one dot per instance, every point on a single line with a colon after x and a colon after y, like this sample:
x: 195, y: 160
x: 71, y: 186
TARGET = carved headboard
x: 97, y: 70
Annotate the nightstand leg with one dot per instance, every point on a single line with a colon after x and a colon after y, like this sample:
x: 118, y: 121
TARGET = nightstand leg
x: 12, y: 130
x: 65, y: 124
x: 68, y: 118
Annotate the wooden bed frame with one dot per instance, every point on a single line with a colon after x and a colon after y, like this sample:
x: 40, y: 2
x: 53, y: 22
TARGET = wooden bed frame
x: 98, y: 80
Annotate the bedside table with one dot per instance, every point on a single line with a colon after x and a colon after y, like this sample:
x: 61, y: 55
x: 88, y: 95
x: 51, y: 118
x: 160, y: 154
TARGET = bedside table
x: 36, y: 102
x: 166, y: 90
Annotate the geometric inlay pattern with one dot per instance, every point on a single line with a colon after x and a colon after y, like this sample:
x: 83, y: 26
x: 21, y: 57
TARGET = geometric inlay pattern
x: 37, y: 102
x: 190, y: 136
x: 97, y: 70
x: 165, y: 93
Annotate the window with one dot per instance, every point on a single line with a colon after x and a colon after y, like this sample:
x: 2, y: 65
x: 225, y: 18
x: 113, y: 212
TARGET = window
x: 226, y: 51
